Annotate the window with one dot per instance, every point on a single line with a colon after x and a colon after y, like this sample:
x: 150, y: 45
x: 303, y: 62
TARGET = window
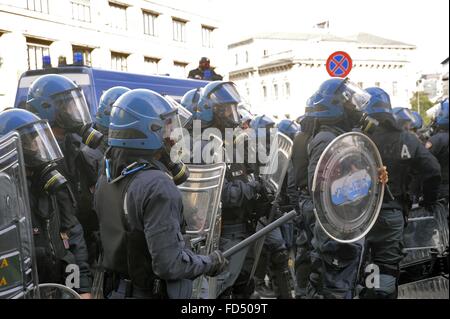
x: 118, y: 15
x: 179, y: 30
x: 81, y: 10
x: 38, y: 5
x: 266, y: 52
x: 37, y: 49
x: 287, y: 89
x: 236, y: 59
x: 151, y: 65
x: 394, y: 88
x: 275, y: 91
x: 207, y: 36
x: 377, y: 84
x: 180, y: 69
x: 86, y: 52
x: 246, y: 56
x: 149, y: 22
x: 264, y: 88
x: 119, y: 61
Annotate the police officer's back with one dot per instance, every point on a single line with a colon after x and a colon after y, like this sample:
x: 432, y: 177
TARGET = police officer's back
x: 401, y: 152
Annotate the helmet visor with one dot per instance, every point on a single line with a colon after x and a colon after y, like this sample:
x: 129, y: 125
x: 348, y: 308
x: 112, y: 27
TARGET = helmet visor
x: 39, y: 144
x: 355, y: 95
x: 405, y: 115
x: 172, y: 129
x: 227, y: 113
x: 183, y: 112
x: 225, y: 94
x: 73, y: 111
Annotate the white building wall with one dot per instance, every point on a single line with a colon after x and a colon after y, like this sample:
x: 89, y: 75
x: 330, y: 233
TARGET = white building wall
x: 58, y: 27
x: 302, y: 64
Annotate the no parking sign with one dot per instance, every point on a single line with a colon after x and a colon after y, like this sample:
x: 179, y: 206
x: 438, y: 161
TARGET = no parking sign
x: 339, y: 64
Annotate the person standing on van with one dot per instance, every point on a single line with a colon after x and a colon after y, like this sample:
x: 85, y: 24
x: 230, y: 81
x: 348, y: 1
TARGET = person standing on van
x: 204, y: 72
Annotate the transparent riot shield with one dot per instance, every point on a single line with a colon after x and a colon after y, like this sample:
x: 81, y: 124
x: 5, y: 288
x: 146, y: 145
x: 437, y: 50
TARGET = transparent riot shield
x: 280, y: 155
x: 18, y: 272
x: 430, y: 288
x: 273, y: 176
x: 201, y: 207
x: 346, y: 192
x: 425, y: 237
x: 207, y: 150
x: 55, y: 291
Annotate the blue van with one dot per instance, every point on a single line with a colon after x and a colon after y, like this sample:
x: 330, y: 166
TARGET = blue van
x: 95, y: 81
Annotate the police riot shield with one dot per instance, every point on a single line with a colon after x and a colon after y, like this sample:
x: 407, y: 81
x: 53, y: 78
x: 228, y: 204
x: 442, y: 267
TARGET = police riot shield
x: 206, y: 149
x: 201, y: 207
x: 280, y: 154
x: 425, y: 238
x: 55, y: 291
x: 430, y: 288
x: 18, y: 272
x: 273, y: 176
x: 346, y: 192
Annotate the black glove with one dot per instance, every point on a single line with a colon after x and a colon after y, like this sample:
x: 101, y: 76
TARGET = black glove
x: 218, y: 263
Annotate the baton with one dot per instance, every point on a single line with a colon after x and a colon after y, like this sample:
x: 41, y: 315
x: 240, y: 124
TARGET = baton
x: 264, y: 231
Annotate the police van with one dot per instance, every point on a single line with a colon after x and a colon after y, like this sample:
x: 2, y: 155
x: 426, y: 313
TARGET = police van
x: 95, y: 81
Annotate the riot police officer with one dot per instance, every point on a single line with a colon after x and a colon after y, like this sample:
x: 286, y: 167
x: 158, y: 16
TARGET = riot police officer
x: 60, y: 101
x: 58, y: 242
x: 334, y: 109
x: 438, y: 146
x: 246, y: 117
x: 274, y: 257
x: 104, y: 111
x: 140, y: 207
x: 217, y: 109
x: 305, y: 222
x: 404, y: 117
x: 190, y: 101
x: 401, y: 152
x: 417, y: 124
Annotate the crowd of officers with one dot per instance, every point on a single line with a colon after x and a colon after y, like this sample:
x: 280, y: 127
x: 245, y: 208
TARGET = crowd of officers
x: 108, y: 188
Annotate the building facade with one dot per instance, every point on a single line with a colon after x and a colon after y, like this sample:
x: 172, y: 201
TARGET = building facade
x: 279, y: 81
x: 432, y: 85
x: 139, y: 36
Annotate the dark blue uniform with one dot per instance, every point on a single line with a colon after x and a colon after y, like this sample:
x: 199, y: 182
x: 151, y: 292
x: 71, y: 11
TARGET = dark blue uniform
x: 58, y: 238
x: 438, y: 146
x: 81, y: 169
x: 304, y: 224
x: 338, y: 262
x: 401, y: 152
x: 141, y: 225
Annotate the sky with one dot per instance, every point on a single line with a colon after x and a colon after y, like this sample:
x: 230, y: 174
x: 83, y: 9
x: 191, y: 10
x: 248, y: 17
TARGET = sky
x: 424, y: 23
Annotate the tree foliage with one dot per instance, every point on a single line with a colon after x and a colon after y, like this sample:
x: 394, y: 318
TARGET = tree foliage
x: 421, y: 98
